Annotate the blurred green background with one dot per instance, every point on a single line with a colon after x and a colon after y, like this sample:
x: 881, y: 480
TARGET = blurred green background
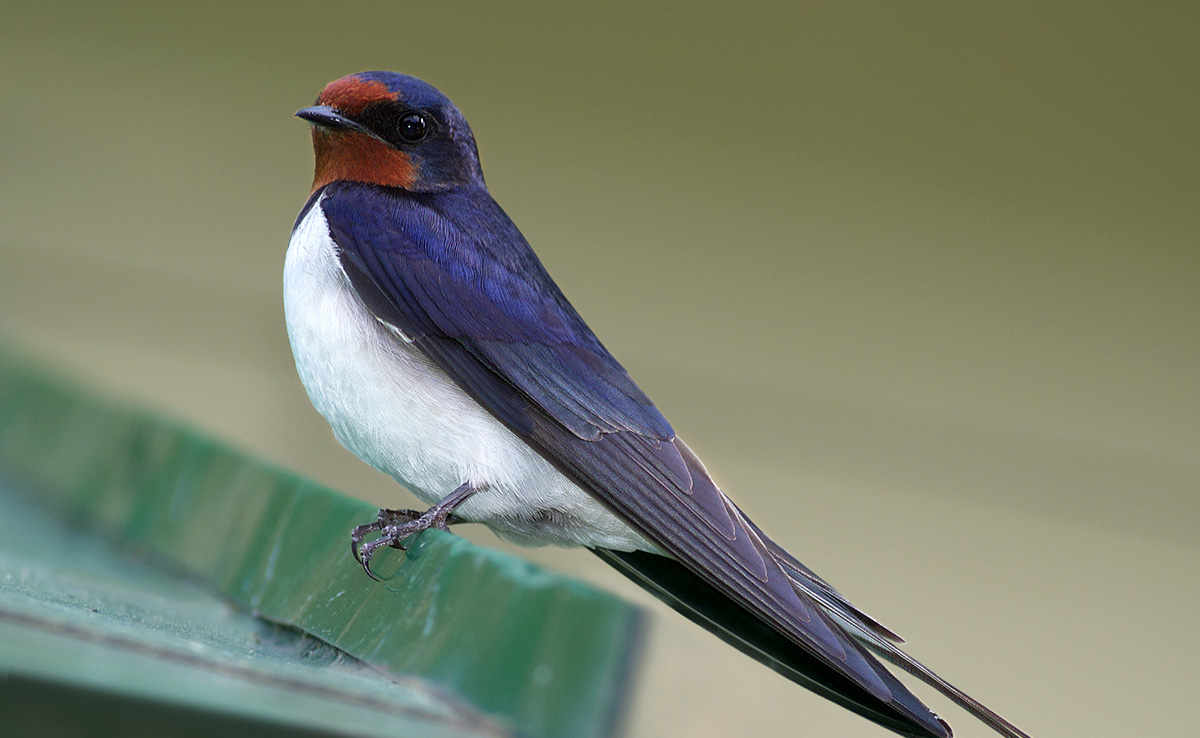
x: 919, y: 281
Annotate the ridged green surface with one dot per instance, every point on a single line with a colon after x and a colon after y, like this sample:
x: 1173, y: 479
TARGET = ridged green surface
x: 549, y: 654
x: 96, y: 642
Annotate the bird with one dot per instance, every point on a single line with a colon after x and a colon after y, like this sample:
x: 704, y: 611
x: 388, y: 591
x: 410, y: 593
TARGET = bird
x: 431, y: 338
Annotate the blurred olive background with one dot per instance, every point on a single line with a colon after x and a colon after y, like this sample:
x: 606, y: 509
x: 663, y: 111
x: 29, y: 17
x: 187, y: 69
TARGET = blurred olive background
x: 919, y: 281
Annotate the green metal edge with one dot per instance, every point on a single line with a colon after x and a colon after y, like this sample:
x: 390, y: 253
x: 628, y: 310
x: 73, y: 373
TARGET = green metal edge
x: 95, y: 641
x: 550, y: 654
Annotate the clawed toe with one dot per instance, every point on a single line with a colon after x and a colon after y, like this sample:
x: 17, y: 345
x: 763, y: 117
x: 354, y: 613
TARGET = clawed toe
x: 394, y: 526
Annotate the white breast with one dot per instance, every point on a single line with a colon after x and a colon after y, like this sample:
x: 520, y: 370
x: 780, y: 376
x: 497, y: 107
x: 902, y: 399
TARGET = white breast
x: 403, y: 415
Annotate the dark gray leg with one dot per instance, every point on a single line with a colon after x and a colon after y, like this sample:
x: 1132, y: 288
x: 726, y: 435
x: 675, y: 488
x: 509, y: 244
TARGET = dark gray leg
x: 396, y: 525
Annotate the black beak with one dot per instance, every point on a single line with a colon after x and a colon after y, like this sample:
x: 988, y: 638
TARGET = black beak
x: 327, y: 117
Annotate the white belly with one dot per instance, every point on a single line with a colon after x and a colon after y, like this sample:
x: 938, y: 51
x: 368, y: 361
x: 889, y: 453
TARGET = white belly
x: 403, y: 415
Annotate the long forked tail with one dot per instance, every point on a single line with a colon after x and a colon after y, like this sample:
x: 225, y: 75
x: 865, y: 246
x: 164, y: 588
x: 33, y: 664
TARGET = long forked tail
x: 879, y: 639
x: 703, y: 604
x: 893, y: 654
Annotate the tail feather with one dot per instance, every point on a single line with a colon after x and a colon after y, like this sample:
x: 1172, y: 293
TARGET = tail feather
x: 701, y: 603
x: 893, y: 654
x: 903, y: 712
x: 883, y: 641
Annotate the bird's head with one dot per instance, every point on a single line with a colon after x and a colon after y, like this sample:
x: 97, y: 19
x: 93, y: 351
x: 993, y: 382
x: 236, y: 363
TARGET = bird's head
x: 391, y: 129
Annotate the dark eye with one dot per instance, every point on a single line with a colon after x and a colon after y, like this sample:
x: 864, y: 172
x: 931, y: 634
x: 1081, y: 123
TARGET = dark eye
x: 413, y: 127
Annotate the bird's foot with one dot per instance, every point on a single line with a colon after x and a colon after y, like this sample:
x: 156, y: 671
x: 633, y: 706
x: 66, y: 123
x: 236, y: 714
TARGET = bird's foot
x: 395, y: 526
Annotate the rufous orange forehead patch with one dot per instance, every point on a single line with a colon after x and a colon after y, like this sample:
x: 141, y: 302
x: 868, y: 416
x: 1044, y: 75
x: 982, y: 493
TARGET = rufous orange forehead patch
x: 349, y: 95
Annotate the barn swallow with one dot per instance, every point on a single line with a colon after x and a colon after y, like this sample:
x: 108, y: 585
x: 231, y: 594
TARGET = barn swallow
x: 441, y: 352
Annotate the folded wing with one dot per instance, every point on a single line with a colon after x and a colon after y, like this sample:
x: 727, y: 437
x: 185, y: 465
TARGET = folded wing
x: 459, y: 281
